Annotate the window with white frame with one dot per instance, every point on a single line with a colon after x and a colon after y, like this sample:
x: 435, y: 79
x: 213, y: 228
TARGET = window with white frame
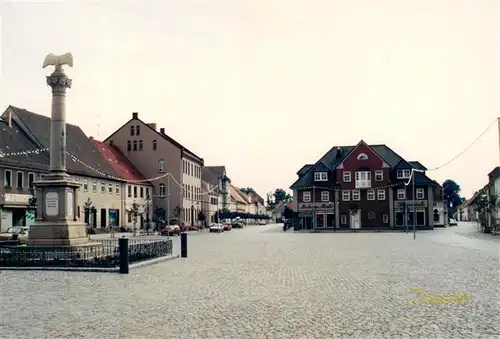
x: 320, y: 176
x: 401, y: 194
x: 363, y: 179
x: 381, y: 194
x: 346, y: 195
x: 94, y: 186
x: 161, y: 165
x: 117, y: 189
x: 306, y: 196
x: 370, y: 195
x: 162, y: 190
x: 325, y: 196
x: 362, y: 156
x: 347, y: 176
x: 420, y: 194
x: 343, y: 219
x: 356, y: 195
x: 403, y: 174
x: 20, y: 179
x: 7, y: 178
x: 379, y: 175
x: 85, y: 185
x: 103, y: 187
x: 385, y: 218
x: 110, y: 189
x: 31, y: 178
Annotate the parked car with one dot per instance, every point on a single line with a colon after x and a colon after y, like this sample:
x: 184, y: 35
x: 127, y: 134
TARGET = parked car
x: 453, y: 222
x: 216, y: 227
x: 185, y: 228
x: 20, y: 231
x: 237, y: 224
x: 227, y: 227
x: 171, y: 230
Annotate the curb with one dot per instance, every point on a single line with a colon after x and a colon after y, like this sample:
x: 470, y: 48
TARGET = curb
x: 154, y: 261
x: 93, y: 269
x: 64, y: 269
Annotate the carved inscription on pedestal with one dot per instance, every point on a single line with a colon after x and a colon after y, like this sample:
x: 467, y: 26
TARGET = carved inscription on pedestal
x: 51, y: 204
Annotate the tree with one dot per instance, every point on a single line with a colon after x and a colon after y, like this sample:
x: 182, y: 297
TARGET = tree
x: 247, y: 190
x: 177, y: 213
x: 32, y: 200
x: 485, y: 205
x: 270, y: 200
x: 280, y: 195
x: 288, y: 213
x: 88, y: 207
x: 451, y: 193
x: 201, y: 216
x: 134, y: 211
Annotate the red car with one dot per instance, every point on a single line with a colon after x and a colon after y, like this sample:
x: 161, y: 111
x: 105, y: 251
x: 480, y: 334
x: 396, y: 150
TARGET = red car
x: 227, y: 227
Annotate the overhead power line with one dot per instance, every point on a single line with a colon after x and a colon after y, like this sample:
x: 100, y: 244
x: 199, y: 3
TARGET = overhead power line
x: 466, y: 149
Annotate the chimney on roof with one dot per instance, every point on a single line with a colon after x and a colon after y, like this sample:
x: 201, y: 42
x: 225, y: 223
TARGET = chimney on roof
x: 135, y: 115
x: 339, y: 152
x: 162, y: 130
x: 91, y: 138
x: 9, y: 118
x: 152, y: 125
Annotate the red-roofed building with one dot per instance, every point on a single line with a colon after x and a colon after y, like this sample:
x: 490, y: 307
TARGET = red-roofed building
x: 136, y: 189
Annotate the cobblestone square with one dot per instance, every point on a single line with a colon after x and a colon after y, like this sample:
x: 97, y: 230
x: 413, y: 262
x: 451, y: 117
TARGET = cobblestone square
x: 260, y: 282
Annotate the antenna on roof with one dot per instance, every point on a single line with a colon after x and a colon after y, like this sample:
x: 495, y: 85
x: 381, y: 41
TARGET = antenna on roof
x: 339, y: 151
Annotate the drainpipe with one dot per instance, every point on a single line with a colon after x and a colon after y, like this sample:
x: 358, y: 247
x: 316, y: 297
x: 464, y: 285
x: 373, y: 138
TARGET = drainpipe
x: 314, y: 209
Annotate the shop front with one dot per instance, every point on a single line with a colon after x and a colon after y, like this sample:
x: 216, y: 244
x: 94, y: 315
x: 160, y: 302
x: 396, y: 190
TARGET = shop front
x: 114, y: 217
x: 316, y: 216
x: 15, y: 212
x: 403, y: 213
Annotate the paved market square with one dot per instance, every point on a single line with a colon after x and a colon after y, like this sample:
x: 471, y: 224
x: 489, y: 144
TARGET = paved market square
x: 260, y: 282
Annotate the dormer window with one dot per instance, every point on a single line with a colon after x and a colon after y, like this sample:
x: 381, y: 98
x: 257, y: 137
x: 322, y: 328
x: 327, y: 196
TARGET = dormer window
x: 320, y: 176
x: 362, y: 156
x: 404, y: 174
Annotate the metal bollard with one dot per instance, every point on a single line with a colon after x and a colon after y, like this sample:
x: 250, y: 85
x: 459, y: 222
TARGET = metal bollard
x: 123, y: 249
x: 184, y: 243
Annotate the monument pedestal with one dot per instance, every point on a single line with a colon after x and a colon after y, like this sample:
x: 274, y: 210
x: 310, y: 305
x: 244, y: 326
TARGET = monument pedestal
x: 56, y: 223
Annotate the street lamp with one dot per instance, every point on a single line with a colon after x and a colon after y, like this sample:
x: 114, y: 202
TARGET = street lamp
x: 414, y: 200
x: 148, y: 206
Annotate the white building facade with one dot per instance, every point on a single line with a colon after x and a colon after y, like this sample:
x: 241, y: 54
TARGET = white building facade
x: 192, y: 191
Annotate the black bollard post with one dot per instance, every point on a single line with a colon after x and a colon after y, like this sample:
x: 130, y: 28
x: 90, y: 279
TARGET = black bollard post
x: 123, y: 249
x: 184, y: 245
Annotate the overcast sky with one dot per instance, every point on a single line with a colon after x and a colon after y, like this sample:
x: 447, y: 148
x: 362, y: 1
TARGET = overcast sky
x: 264, y: 87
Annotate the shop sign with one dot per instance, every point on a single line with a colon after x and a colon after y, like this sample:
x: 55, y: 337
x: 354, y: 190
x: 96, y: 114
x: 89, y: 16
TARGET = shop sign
x: 17, y: 198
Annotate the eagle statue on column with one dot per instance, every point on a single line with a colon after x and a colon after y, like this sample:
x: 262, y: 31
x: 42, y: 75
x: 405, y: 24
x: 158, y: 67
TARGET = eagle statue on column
x: 58, y: 60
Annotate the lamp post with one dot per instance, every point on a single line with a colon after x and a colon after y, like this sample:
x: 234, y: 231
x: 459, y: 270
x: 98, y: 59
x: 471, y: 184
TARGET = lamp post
x: 414, y: 200
x: 314, y: 209
x: 148, y: 203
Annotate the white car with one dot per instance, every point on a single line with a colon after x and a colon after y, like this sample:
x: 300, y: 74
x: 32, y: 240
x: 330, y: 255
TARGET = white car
x: 217, y: 227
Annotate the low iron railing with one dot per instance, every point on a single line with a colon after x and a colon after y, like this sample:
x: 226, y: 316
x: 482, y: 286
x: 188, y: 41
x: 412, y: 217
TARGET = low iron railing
x: 101, y: 253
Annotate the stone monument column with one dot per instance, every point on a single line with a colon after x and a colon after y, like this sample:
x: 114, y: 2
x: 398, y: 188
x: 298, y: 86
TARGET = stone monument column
x: 57, y: 224
x: 59, y: 83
